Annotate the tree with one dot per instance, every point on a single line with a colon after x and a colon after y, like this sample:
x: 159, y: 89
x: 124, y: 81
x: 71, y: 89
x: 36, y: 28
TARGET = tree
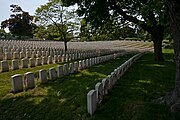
x: 64, y: 19
x: 150, y: 15
x: 173, y: 99
x: 19, y: 23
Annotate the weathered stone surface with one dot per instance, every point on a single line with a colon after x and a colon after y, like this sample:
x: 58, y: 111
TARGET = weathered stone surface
x: 16, y: 55
x: 52, y: 74
x: 66, y: 69
x: 15, y: 64
x: 105, y: 83
x: 49, y: 60
x: 44, y: 60
x: 31, y: 62
x: 17, y: 83
x: 99, y: 92
x: 4, y: 66
x: 60, y: 70
x: 29, y: 80
x: 7, y: 56
x: 38, y: 61
x: 24, y: 63
x: 43, y: 76
x: 91, y: 102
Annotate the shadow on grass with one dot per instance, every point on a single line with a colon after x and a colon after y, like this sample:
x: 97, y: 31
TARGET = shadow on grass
x: 64, y: 98
x: 131, y: 98
x: 133, y: 95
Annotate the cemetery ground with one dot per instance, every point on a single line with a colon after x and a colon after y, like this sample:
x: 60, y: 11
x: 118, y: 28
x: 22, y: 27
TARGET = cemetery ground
x: 132, y: 97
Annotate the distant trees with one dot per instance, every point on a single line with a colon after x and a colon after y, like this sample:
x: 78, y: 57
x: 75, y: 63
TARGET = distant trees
x: 108, y: 31
x: 20, y: 22
x: 60, y: 19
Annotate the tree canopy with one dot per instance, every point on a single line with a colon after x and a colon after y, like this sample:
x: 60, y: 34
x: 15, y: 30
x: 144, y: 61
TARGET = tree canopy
x: 150, y: 15
x: 63, y: 18
x: 19, y: 23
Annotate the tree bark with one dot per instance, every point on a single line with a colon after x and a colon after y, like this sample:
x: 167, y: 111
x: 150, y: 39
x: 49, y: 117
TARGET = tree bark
x: 174, y: 12
x: 157, y: 38
x: 65, y: 45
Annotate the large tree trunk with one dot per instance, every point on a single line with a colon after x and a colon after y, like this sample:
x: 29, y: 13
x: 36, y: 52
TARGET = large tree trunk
x: 158, y: 49
x: 174, y: 12
x: 157, y: 37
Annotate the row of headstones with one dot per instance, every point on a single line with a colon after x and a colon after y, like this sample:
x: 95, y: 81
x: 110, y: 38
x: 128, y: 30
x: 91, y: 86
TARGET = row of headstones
x: 36, y: 53
x: 95, y: 97
x: 28, y: 81
x: 14, y: 44
x: 4, y: 65
x: 29, y: 43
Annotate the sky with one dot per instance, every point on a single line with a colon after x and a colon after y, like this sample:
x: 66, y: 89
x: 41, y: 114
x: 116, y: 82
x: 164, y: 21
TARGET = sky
x: 27, y: 5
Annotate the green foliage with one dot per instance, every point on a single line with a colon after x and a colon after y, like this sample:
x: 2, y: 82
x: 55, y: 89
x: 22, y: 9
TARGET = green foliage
x: 108, y: 31
x: 59, y: 21
x: 19, y: 23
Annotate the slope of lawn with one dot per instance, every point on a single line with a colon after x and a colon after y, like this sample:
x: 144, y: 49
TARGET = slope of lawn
x: 64, y: 98
x: 132, y: 98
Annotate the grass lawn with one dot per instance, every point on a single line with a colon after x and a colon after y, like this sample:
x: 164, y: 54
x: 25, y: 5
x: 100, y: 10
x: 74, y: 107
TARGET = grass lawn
x: 130, y: 99
x: 64, y: 98
x: 133, y: 95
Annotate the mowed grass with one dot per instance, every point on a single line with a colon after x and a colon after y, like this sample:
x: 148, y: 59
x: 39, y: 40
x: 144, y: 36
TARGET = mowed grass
x: 133, y: 96
x: 64, y: 98
x: 5, y: 77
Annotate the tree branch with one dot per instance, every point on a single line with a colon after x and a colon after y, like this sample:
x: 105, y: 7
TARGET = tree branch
x: 129, y: 18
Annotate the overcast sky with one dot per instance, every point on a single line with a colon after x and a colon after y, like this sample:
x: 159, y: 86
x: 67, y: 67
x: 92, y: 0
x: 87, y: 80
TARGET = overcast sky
x: 27, y: 5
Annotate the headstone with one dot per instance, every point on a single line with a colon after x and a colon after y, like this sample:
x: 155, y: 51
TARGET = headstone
x: 55, y: 59
x: 31, y: 62
x: 87, y: 63
x: 91, y: 102
x: 16, y: 55
x: 75, y: 66
x: 47, y: 53
x: 80, y: 65
x: 28, y: 54
x: 99, y: 92
x: 4, y: 66
x: 7, y: 55
x: 15, y: 64
x: 52, y: 74
x: 83, y: 64
x: 66, y: 69
x: 59, y: 58
x: 71, y: 68
x: 60, y: 70
x: 24, y: 63
x: 63, y: 58
x: 67, y: 58
x: 44, y: 60
x: 29, y: 80
x: 43, y: 53
x: 33, y: 54
x: 17, y: 83
x: 105, y: 83
x: 21, y: 55
x: 38, y: 61
x: 38, y: 54
x: 49, y: 60
x: 43, y: 76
